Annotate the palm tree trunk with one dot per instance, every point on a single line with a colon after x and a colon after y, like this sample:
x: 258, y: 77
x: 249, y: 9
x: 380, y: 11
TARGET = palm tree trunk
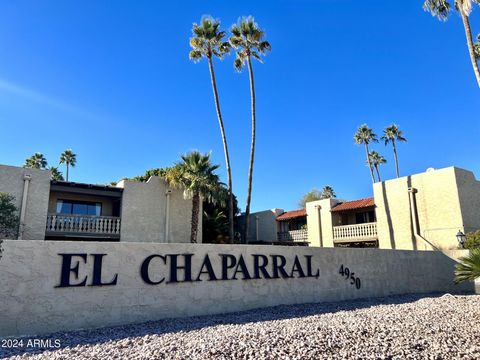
x: 194, y: 221
x: 67, y: 170
x: 369, y: 163
x: 378, y: 173
x: 225, y: 149
x: 468, y: 34
x: 252, y: 147
x: 396, y: 158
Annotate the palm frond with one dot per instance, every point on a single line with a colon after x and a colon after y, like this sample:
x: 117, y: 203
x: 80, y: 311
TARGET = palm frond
x: 469, y: 267
x: 438, y: 8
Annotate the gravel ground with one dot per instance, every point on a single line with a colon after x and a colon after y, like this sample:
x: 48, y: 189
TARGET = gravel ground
x: 401, y: 327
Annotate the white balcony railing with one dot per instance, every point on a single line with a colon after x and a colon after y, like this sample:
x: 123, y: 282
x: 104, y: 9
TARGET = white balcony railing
x: 83, y: 224
x: 367, y: 231
x: 293, y: 235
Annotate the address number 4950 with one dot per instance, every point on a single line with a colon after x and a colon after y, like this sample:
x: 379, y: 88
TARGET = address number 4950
x: 350, y: 275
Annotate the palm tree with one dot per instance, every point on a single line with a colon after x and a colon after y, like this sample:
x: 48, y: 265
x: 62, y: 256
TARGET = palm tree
x: 392, y: 134
x: 376, y: 159
x: 248, y: 40
x: 36, y: 161
x: 207, y: 41
x: 68, y: 158
x: 328, y: 193
x: 365, y: 136
x: 469, y: 267
x: 56, y: 174
x: 196, y: 175
x: 441, y: 9
x: 477, y: 48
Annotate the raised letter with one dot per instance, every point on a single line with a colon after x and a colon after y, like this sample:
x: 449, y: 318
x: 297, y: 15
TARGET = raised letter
x: 67, y: 269
x: 226, y: 266
x: 257, y: 268
x: 144, y: 270
x: 97, y: 271
x: 243, y: 269
x: 187, y: 268
x: 309, y: 267
x: 279, y: 267
x: 208, y: 265
x: 297, y: 267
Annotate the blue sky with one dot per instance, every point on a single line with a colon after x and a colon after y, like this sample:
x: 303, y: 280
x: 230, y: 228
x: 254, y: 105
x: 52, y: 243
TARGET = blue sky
x: 112, y: 80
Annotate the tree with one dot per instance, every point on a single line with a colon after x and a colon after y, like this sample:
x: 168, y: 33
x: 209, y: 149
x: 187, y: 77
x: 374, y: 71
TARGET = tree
x: 196, y: 175
x: 207, y: 42
x: 365, y: 136
x: 477, y: 48
x: 376, y: 160
x: 328, y: 193
x: 469, y: 267
x: 393, y: 134
x: 68, y: 158
x: 441, y: 9
x: 9, y: 221
x: 473, y: 240
x: 36, y: 161
x: 248, y: 41
x: 56, y: 174
x: 314, y: 194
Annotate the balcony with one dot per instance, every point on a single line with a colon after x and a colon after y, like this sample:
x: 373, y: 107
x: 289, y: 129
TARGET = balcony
x: 293, y: 235
x: 358, y: 232
x: 83, y: 226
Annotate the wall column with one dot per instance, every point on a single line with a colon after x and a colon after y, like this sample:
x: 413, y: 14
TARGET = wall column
x: 26, y: 183
x: 168, y: 193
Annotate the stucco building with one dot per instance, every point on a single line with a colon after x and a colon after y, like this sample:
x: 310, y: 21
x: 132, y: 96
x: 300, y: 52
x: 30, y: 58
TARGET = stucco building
x: 130, y: 211
x: 419, y: 212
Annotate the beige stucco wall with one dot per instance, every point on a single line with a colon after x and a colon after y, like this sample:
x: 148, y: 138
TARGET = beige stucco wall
x: 30, y: 302
x: 438, y: 206
x: 55, y: 195
x: 12, y: 182
x: 144, y: 212
x: 319, y: 222
x: 469, y: 195
x: 266, y: 223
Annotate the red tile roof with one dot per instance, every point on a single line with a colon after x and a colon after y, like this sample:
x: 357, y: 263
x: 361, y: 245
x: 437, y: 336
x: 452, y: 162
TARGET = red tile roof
x: 292, y: 215
x: 355, y: 204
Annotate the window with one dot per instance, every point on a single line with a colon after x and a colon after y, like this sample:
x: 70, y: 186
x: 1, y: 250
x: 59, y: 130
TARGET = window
x: 78, y: 207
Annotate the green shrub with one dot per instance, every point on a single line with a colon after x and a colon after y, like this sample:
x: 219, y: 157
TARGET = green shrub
x: 8, y: 217
x: 473, y: 240
x: 469, y: 267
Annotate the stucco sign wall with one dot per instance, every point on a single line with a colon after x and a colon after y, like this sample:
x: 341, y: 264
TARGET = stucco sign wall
x: 47, y: 286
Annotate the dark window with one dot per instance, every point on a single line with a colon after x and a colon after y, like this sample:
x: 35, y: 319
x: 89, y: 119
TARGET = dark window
x: 79, y: 207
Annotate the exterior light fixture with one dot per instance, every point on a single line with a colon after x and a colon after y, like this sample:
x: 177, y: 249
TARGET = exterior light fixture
x: 461, y: 237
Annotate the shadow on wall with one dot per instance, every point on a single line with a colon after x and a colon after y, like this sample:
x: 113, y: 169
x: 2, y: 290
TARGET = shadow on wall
x: 389, y: 218
x: 412, y: 230
x: 282, y: 312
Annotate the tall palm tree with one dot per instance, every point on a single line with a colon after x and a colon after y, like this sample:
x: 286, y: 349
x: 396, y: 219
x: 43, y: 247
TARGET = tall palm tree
x: 207, y: 42
x: 469, y: 267
x: 196, y: 175
x: 36, y: 161
x: 376, y: 160
x: 248, y: 40
x: 328, y: 193
x: 68, y: 158
x: 365, y: 136
x: 441, y: 9
x: 393, y: 134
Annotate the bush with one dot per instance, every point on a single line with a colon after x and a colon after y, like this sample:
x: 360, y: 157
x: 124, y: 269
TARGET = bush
x: 469, y: 267
x: 8, y: 217
x: 473, y: 240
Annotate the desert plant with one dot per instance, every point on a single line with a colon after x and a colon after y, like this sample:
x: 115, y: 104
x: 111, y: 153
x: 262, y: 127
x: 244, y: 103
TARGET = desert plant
x: 469, y: 267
